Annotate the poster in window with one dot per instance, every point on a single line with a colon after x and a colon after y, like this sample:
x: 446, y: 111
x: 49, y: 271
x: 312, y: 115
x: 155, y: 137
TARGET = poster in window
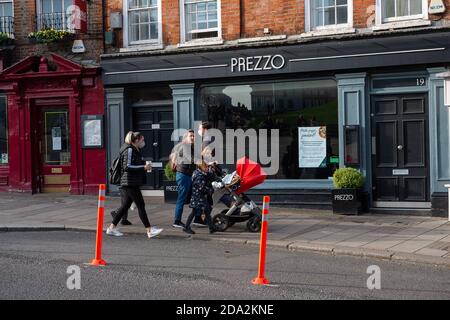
x: 92, y: 133
x: 56, y: 139
x: 312, y: 147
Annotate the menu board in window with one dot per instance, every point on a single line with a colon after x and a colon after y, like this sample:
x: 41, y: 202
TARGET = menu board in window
x: 92, y: 130
x: 312, y: 147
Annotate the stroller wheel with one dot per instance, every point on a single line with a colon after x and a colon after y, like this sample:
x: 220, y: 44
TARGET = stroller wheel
x: 221, y: 222
x: 254, y: 224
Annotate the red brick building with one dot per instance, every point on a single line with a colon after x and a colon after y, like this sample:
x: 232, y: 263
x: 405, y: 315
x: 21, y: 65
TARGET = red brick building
x: 367, y: 70
x: 51, y: 96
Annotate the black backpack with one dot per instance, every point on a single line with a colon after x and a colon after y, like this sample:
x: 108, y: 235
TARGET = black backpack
x: 115, y: 172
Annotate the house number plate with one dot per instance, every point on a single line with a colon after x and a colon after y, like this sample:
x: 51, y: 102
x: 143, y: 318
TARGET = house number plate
x: 400, y: 172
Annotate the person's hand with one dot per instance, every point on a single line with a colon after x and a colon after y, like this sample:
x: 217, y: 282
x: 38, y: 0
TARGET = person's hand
x: 148, y: 167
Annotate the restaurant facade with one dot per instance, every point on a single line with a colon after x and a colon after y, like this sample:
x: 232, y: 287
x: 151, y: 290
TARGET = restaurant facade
x: 379, y: 98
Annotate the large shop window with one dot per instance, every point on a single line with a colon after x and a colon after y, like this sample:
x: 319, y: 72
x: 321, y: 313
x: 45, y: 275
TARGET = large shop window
x: 3, y: 131
x: 304, y: 112
x: 201, y: 19
x: 143, y: 21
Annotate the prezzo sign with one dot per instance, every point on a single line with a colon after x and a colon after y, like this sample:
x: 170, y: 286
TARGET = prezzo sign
x: 343, y: 197
x: 257, y: 63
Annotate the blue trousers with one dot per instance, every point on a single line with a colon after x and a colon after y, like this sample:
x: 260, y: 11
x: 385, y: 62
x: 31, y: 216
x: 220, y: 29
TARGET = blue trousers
x: 184, y: 183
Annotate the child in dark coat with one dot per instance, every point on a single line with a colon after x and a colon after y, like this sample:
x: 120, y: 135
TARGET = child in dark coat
x: 201, y: 191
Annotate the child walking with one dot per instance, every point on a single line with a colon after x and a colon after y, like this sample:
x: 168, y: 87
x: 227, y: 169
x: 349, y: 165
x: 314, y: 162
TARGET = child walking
x: 201, y: 190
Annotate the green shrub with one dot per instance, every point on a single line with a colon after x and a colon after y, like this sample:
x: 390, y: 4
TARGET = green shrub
x: 170, y: 175
x: 348, y: 178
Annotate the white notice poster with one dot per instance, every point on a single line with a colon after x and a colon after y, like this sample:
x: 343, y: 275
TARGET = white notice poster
x: 312, y: 147
x: 92, y: 133
x: 56, y: 139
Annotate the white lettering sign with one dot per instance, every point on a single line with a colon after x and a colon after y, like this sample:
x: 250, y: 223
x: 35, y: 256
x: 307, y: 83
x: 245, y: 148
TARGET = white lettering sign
x: 436, y: 6
x: 257, y: 63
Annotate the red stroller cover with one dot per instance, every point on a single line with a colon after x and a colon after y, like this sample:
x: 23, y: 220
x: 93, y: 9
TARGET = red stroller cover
x: 251, y: 174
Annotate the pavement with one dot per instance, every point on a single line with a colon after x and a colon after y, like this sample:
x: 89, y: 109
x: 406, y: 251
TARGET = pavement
x: 416, y: 239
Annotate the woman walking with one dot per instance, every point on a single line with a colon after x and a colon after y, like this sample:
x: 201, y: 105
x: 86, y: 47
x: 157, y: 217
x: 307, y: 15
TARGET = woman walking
x: 132, y: 177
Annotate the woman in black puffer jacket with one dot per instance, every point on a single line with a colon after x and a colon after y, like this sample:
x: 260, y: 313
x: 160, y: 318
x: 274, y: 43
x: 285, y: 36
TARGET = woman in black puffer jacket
x: 133, y: 175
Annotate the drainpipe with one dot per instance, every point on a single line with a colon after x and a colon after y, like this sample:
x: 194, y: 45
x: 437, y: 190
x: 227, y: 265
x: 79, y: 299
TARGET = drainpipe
x: 103, y: 24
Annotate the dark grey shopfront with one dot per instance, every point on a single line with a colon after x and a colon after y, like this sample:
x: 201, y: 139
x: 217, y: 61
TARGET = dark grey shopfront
x: 380, y: 84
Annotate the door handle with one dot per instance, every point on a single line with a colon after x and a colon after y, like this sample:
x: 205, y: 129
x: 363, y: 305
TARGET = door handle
x: 400, y: 147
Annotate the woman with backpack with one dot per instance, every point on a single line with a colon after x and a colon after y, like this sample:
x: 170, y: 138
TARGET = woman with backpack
x: 133, y: 175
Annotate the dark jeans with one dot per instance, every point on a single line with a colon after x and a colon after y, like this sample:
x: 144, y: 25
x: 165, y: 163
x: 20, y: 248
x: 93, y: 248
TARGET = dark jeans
x: 128, y: 196
x: 184, y: 183
x: 197, y: 213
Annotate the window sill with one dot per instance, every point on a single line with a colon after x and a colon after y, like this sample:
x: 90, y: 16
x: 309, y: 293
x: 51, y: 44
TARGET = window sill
x: 142, y: 47
x: 191, y: 44
x: 328, y: 32
x: 401, y: 25
x: 262, y: 39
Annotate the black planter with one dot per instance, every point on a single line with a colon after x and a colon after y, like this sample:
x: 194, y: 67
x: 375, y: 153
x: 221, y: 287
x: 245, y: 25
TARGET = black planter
x: 170, y: 191
x: 347, y: 201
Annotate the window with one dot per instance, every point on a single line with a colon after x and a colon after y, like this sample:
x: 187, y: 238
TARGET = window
x: 201, y: 19
x: 292, y: 107
x: 144, y: 21
x: 53, y: 14
x: 7, y: 17
x: 398, y: 10
x: 3, y: 131
x: 323, y: 14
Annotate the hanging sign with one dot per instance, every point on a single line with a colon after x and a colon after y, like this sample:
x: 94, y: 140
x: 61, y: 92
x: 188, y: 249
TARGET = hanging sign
x: 77, y: 16
x: 436, y: 6
x: 312, y: 147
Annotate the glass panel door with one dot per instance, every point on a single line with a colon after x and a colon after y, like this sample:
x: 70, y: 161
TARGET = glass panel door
x: 56, y: 138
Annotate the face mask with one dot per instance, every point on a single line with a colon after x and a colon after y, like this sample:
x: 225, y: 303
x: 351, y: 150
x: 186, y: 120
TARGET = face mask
x: 200, y: 133
x: 141, y: 145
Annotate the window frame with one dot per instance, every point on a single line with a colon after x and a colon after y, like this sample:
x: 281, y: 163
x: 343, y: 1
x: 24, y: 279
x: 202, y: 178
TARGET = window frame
x: 127, y: 43
x: 380, y: 20
x: 6, y: 131
x: 12, y: 6
x: 308, y: 19
x: 203, y: 40
x: 39, y: 11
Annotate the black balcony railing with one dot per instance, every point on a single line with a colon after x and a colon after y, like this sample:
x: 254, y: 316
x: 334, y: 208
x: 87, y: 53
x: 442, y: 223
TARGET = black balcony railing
x: 7, y: 25
x: 54, y: 20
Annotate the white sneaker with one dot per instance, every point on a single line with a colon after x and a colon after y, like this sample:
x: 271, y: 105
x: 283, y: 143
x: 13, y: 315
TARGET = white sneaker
x: 154, y: 231
x: 114, y: 232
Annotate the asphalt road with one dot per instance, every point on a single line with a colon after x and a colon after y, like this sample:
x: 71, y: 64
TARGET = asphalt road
x: 34, y: 265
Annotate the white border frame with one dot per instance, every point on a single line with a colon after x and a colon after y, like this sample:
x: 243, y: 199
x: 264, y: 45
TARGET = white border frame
x: 205, y: 40
x: 349, y: 24
x: 126, y: 43
x: 380, y: 21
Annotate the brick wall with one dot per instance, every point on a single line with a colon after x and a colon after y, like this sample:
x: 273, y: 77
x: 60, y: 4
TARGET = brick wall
x: 248, y: 18
x: 25, y: 22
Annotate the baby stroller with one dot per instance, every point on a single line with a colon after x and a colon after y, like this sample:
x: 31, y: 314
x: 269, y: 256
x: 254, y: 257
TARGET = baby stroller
x: 230, y: 191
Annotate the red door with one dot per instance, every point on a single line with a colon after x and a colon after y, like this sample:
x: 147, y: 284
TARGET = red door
x: 53, y: 137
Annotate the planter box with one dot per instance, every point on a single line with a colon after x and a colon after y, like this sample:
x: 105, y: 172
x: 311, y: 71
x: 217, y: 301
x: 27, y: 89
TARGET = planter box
x: 347, y: 201
x: 170, y: 191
